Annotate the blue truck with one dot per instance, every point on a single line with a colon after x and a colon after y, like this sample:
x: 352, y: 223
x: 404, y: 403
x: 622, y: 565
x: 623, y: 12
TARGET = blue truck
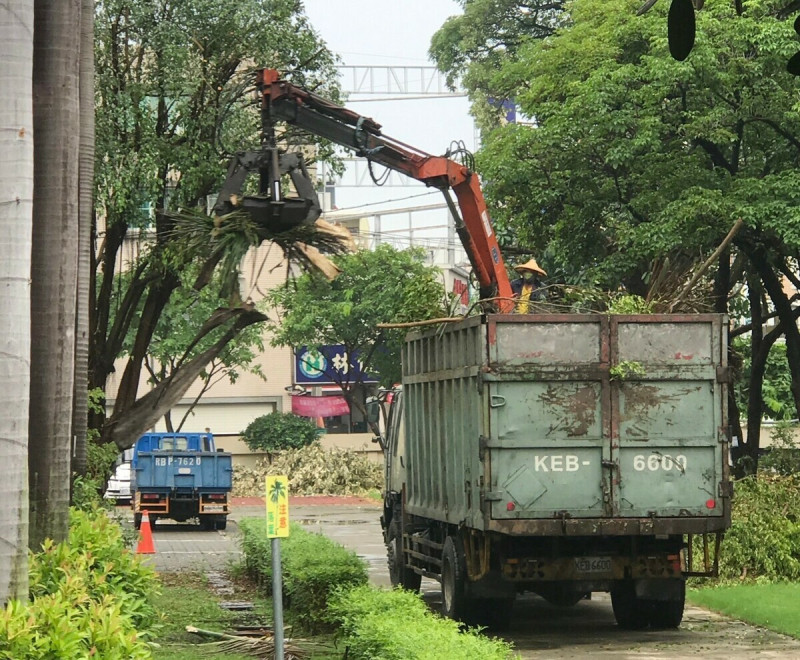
x: 181, y: 476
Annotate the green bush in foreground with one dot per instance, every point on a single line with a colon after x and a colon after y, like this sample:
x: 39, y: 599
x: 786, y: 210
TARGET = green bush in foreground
x: 396, y: 625
x: 764, y: 539
x: 311, y: 565
x: 90, y: 598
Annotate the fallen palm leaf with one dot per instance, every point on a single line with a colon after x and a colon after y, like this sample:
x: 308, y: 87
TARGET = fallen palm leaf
x: 260, y: 647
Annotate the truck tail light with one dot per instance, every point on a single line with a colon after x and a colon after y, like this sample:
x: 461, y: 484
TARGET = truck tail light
x: 150, y: 496
x: 217, y: 496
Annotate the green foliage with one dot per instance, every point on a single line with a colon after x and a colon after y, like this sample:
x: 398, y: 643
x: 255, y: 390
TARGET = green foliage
x: 278, y: 431
x: 395, y: 625
x: 776, y: 391
x: 487, y: 37
x: 312, y: 566
x: 313, y: 470
x: 380, y: 286
x: 634, y: 157
x: 627, y: 369
x: 90, y: 597
x: 764, y: 539
x: 783, y: 456
x: 630, y: 304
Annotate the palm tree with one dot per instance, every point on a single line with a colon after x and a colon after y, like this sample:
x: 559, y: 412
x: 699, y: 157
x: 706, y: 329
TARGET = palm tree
x: 277, y: 492
x: 54, y: 264
x: 16, y: 202
x: 85, y: 211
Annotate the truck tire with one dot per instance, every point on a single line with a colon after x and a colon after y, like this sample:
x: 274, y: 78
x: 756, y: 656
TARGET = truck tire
x: 455, y: 603
x: 665, y: 614
x: 207, y: 523
x: 137, y: 520
x: 630, y: 611
x: 222, y: 522
x: 399, y: 575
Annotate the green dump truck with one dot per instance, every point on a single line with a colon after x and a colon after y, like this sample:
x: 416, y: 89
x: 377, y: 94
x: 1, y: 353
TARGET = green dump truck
x: 563, y: 455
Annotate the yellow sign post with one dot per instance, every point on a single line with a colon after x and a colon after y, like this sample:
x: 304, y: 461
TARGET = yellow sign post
x: 277, y: 507
x: 277, y: 491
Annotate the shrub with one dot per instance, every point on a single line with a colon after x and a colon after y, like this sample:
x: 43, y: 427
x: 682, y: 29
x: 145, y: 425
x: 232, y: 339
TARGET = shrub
x: 313, y: 470
x: 311, y: 564
x: 90, y: 597
x: 764, y: 539
x: 783, y: 456
x: 278, y: 431
x: 395, y: 625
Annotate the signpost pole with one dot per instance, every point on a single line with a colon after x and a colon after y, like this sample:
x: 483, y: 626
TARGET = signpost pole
x: 277, y: 597
x: 277, y: 491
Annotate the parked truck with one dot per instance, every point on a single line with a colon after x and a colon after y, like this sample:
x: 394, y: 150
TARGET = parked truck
x: 562, y: 455
x: 181, y: 476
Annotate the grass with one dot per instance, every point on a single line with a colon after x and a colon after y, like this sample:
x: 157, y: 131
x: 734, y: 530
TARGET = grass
x: 185, y: 599
x: 773, y: 606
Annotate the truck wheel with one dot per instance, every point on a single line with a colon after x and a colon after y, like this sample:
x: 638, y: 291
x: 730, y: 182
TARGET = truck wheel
x: 668, y: 613
x: 631, y: 612
x: 207, y: 523
x: 137, y: 520
x: 455, y: 604
x: 399, y: 575
x: 222, y: 522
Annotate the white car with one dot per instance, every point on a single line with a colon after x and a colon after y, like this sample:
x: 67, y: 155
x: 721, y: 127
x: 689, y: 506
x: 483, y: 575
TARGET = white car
x: 119, y: 485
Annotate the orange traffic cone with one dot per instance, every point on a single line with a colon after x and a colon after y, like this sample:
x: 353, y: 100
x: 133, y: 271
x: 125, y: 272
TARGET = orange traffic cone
x: 145, y: 546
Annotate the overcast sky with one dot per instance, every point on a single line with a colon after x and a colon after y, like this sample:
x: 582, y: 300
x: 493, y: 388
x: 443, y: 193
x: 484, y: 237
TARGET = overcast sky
x: 394, y: 33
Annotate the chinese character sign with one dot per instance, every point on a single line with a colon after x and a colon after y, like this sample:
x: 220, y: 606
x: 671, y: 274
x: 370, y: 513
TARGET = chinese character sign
x: 277, y: 506
x: 327, y: 365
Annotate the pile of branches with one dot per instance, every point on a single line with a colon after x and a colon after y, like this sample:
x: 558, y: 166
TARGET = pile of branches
x: 312, y: 470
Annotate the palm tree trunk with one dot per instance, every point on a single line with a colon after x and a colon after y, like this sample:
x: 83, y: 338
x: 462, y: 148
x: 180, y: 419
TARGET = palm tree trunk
x: 85, y: 210
x: 16, y: 214
x: 54, y: 264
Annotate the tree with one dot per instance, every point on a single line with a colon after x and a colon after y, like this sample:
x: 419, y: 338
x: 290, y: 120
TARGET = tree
x: 16, y: 204
x: 486, y: 38
x: 636, y: 166
x: 380, y: 286
x: 174, y: 82
x: 171, y: 345
x: 54, y: 263
x: 80, y: 402
x: 278, y: 430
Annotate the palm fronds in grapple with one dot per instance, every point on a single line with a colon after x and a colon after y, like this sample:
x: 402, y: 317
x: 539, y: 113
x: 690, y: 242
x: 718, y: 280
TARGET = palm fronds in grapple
x: 224, y: 240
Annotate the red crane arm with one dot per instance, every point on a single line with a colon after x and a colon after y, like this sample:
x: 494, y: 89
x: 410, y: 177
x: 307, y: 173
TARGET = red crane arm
x: 281, y: 100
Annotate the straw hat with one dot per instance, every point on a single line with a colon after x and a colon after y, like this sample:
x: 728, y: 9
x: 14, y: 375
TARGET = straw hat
x: 531, y: 266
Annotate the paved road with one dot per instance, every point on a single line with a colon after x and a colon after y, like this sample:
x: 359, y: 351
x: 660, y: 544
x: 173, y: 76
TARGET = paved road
x: 538, y: 630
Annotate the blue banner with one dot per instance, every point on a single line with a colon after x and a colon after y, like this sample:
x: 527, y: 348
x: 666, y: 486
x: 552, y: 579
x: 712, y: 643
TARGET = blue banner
x: 327, y: 365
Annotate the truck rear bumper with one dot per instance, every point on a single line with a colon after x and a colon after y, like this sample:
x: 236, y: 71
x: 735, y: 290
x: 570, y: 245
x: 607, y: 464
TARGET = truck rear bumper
x: 609, y: 526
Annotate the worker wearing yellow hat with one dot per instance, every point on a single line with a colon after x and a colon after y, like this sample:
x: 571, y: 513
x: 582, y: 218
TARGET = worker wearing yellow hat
x: 527, y: 287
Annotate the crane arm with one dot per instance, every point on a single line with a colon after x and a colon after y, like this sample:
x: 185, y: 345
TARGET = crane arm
x: 283, y: 101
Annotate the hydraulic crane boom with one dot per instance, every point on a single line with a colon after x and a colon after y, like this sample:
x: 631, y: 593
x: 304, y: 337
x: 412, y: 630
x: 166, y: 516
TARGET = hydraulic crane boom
x: 281, y: 100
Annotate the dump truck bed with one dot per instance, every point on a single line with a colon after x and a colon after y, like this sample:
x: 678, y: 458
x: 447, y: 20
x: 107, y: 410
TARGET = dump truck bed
x: 570, y: 424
